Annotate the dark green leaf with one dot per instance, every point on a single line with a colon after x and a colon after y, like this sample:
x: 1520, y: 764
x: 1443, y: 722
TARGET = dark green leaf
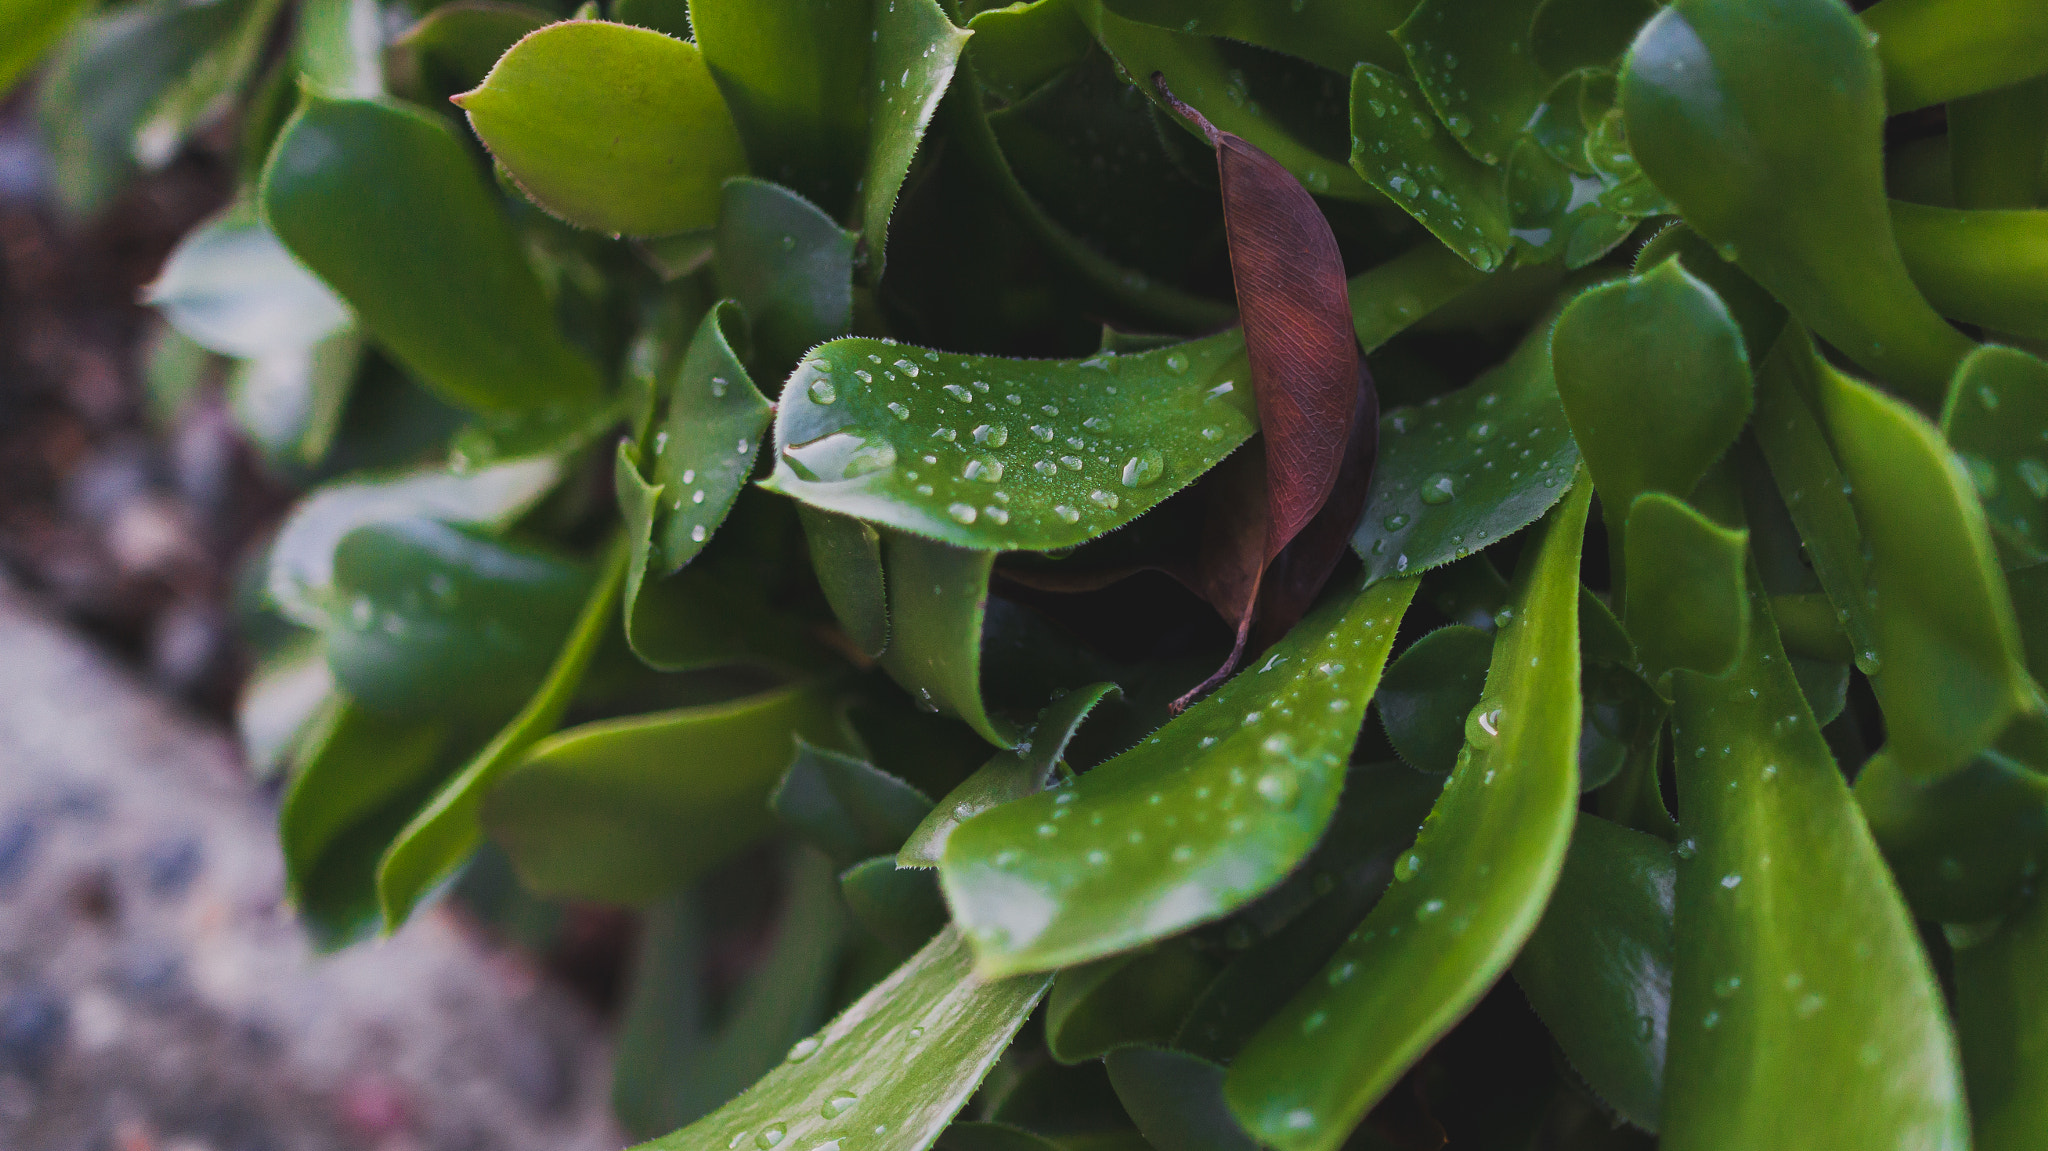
x: 1568, y: 34
x: 2001, y: 1013
x: 1398, y: 146
x: 915, y: 50
x: 1140, y: 997
x: 1685, y: 606
x: 1551, y: 213
x: 937, y: 596
x: 1176, y: 1099
x: 705, y: 449
x: 846, y: 556
x: 453, y: 47
x: 1428, y: 691
x: 1997, y: 142
x: 1336, y: 36
x: 1017, y: 48
x: 1473, y: 61
x: 789, y: 265
x: 1388, y: 297
x: 1996, y: 420
x: 899, y: 906
x: 846, y: 807
x: 1964, y: 848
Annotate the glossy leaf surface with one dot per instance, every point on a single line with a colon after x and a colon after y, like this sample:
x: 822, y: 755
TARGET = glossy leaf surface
x: 1468, y: 469
x: 383, y: 204
x: 2001, y: 1013
x: 1428, y: 691
x: 1764, y: 124
x: 1469, y: 893
x: 985, y: 452
x: 1796, y: 961
x: 1401, y: 149
x: 705, y: 449
x: 1475, y: 64
x: 789, y: 266
x: 1934, y: 51
x: 1176, y: 1099
x: 610, y: 127
x: 1995, y: 420
x: 1598, y: 968
x: 905, y: 1058
x: 1982, y: 267
x: 1245, y: 781
x: 1685, y: 609
x: 845, y: 806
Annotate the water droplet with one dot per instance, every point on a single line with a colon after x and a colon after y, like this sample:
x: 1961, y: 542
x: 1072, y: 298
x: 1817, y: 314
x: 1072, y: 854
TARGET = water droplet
x: 1105, y: 500
x: 1482, y: 725
x: 1480, y: 432
x: 1810, y: 1004
x: 1731, y: 881
x: 994, y: 435
x: 698, y: 533
x: 946, y: 434
x: 660, y: 442
x: 1430, y: 909
x: 1688, y: 847
x: 996, y: 516
x: 770, y: 1136
x: 907, y: 368
x: 1395, y: 522
x: 2034, y: 474
x: 1176, y: 363
x: 1144, y: 469
x: 1727, y: 985
x: 1729, y: 252
x: 1408, y: 866
x: 1438, y: 489
x: 718, y: 387
x: 1314, y: 1022
x: 1711, y: 1020
x: 1279, y: 787
x: 822, y: 392
x: 964, y: 513
x: 960, y: 393
x: 1066, y: 514
x: 988, y: 471
x: 1073, y: 463
x: 803, y: 1050
x: 1047, y: 831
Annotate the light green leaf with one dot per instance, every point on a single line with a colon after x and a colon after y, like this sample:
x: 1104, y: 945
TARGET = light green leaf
x: 1191, y: 824
x: 28, y: 28
x: 1400, y: 149
x: 1936, y: 50
x: 705, y: 447
x: 232, y: 287
x: 339, y: 49
x: 1982, y: 267
x: 915, y: 50
x: 905, y: 1057
x: 1000, y: 454
x: 1017, y: 48
x: 1388, y: 297
x: 610, y: 127
x: 1467, y: 895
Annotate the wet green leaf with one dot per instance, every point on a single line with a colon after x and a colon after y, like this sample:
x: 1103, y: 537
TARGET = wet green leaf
x: 1427, y: 692
x: 937, y: 596
x: 916, y: 50
x: 1401, y: 150
x: 2001, y: 1006
x: 627, y: 810
x: 1936, y: 50
x: 1755, y: 310
x: 704, y: 450
x: 1473, y: 61
x: 1243, y: 790
x: 1388, y: 297
x: 1469, y: 893
x: 382, y: 202
x: 454, y: 46
x: 301, y: 570
x: 1685, y: 609
x: 1176, y: 1099
x: 901, y: 907
x: 1764, y: 124
x: 1598, y: 967
x: 1983, y: 267
x: 845, y: 806
x: 1556, y: 212
x: 1655, y: 382
x: 434, y: 844
x: 610, y: 127
x: 1952, y: 674
x: 789, y: 265
x: 426, y: 618
x: 1466, y: 470
x: 1017, y: 48
x: 985, y: 452
x: 1009, y: 775
x: 1996, y: 421
x: 795, y: 73
x: 1796, y: 962
x: 1139, y: 997
x: 906, y: 1057
x: 1964, y: 848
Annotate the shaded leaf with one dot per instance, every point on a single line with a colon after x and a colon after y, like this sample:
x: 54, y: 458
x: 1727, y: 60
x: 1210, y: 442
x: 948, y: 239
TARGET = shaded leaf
x: 1336, y: 36
x: 1474, y: 63
x: 1568, y: 34
x: 1997, y: 142
x: 1551, y: 213
x: 1176, y: 1099
x: 1999, y: 1015
x: 1981, y: 267
x: 899, y: 906
x: 1388, y: 297
x: 232, y: 287
x: 453, y: 47
x: 1400, y: 148
x: 1017, y: 48
x: 1995, y: 420
x: 1140, y: 997
x: 1427, y: 692
x: 1684, y: 609
x: 1964, y: 848
x: 937, y: 596
x: 846, y: 556
x: 789, y: 265
x: 844, y: 806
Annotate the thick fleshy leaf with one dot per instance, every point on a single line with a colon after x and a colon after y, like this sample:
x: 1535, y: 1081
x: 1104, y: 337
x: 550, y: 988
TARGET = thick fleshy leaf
x: 1123, y: 1000
x: 1553, y: 212
x: 627, y: 810
x: 2002, y: 1015
x: 434, y: 844
x: 705, y: 449
x: 232, y: 287
x: 844, y: 806
x: 1983, y: 267
x: 985, y: 452
x: 1996, y: 420
x: 1009, y: 775
x: 1953, y: 673
x: 1474, y: 63
x: 1428, y: 691
x: 1797, y: 963
x: 1685, y: 609
x: 1598, y: 968
x: 1387, y: 298
x: 1655, y: 381
x: 301, y: 576
x: 1470, y: 891
x: 1936, y: 50
x: 1997, y: 141
x: 1176, y: 1099
x: 1017, y: 48
x: 1964, y: 848
x: 1401, y: 149
x: 1207, y: 814
x: 1468, y: 469
x: 789, y: 266
x: 905, y: 1057
x: 846, y: 556
x: 1336, y: 36
x: 382, y: 203
x: 899, y: 906
x: 455, y: 46
x: 915, y: 51
x: 429, y: 619
x: 610, y: 127
x: 1764, y: 124
x: 28, y: 30
x: 937, y: 597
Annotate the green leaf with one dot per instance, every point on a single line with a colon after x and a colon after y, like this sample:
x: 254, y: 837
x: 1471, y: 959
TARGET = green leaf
x: 704, y: 452
x: 1685, y: 609
x: 1997, y: 142
x: 233, y: 288
x: 1243, y: 789
x: 1016, y: 49
x: 1934, y: 51
x: 1996, y: 421
x: 434, y: 844
x: 998, y: 454
x: 1470, y: 891
x: 1982, y: 267
x: 382, y: 202
x: 428, y: 619
x: 1139, y: 997
x: 1176, y: 1099
x: 1598, y: 968
x: 290, y: 403
x: 1336, y: 36
x: 1388, y: 297
x: 28, y: 29
x: 915, y: 50
x: 1952, y: 675
x: 1427, y: 692
x: 1796, y: 961
x: 301, y: 571
x: 1400, y: 149
x: 1009, y: 775
x: 899, y: 906
x: 610, y: 127
x: 671, y: 1069
x: 339, y: 49
x: 285, y: 691
x: 627, y: 810
x: 1551, y: 213
x: 844, y: 806
x: 1964, y: 848
x: 1569, y: 34
x: 1655, y: 381
x: 455, y: 46
x: 1764, y: 125
x: 935, y: 651
x: 906, y: 1057
x: 789, y: 265
x: 2001, y: 1011
x: 846, y: 556
x: 1466, y: 470
x: 1473, y: 61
